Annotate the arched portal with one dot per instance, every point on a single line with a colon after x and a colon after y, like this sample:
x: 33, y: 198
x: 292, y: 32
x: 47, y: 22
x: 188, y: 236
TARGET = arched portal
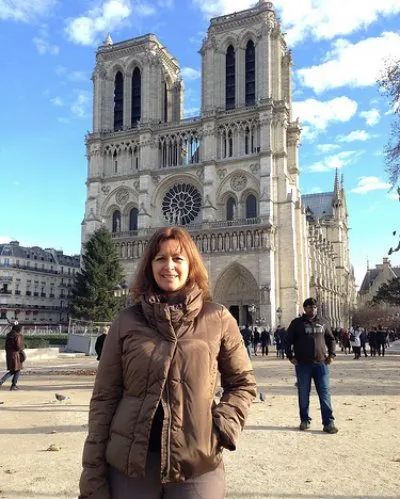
x: 237, y: 289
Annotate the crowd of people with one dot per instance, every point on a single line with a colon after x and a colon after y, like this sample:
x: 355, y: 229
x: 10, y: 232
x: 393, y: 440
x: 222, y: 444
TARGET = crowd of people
x: 365, y: 341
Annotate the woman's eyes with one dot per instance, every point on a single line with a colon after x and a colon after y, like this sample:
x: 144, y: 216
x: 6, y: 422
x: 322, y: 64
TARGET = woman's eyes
x: 175, y: 258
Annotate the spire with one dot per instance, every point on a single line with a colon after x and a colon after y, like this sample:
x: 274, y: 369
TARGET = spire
x: 336, y: 186
x: 108, y: 41
x: 342, y: 183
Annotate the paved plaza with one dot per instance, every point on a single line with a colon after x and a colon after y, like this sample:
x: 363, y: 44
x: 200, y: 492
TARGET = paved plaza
x: 42, y: 438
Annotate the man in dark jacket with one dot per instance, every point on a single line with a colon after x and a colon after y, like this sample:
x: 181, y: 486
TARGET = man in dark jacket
x: 307, y: 341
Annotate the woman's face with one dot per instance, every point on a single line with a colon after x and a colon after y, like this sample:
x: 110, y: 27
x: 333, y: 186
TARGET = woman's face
x: 170, y: 266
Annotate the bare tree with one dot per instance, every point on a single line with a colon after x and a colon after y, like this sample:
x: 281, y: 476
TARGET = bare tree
x: 390, y: 84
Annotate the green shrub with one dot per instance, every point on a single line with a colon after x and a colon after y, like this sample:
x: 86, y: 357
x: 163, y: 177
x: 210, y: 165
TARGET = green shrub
x: 41, y: 341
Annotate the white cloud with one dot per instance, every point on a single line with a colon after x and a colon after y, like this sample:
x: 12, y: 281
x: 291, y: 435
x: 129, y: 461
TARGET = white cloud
x: 63, y: 120
x: 190, y: 73
x: 355, y: 135
x: 45, y: 47
x: 338, y: 160
x: 88, y: 28
x: 317, y: 19
x: 26, y: 10
x: 77, y: 76
x: 393, y: 195
x: 320, y: 114
x: 368, y: 184
x: 79, y: 106
x: 355, y: 65
x: 327, y: 19
x: 372, y: 117
x: 211, y: 8
x: 327, y: 147
x: 191, y: 111
x: 42, y: 42
x: 314, y: 190
x: 165, y: 3
x: 57, y: 101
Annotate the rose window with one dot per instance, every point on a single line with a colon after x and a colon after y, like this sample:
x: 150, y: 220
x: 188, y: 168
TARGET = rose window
x: 181, y: 204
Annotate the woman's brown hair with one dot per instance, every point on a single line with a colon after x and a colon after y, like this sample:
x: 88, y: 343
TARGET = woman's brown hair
x: 145, y: 282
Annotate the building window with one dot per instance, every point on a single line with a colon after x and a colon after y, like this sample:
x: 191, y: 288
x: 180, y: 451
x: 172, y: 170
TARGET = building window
x: 116, y: 221
x: 136, y: 96
x: 165, y: 103
x: 230, y: 209
x: 230, y: 144
x: 115, y: 161
x: 118, y: 101
x: 250, y: 74
x: 230, y: 87
x: 133, y: 219
x: 251, y: 206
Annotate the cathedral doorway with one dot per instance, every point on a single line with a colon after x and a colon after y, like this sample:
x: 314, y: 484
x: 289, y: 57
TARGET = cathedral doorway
x: 237, y: 289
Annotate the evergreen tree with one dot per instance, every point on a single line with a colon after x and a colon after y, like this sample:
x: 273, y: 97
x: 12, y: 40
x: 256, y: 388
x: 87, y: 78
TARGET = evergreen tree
x: 389, y: 292
x: 93, y: 292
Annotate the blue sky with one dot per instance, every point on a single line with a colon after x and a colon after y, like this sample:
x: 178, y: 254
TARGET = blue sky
x: 339, y: 48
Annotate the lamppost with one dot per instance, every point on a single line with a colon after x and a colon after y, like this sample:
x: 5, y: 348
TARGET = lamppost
x: 121, y: 291
x: 252, y: 309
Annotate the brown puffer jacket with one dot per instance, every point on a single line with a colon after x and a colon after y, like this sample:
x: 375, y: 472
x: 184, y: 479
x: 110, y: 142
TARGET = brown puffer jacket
x: 157, y: 352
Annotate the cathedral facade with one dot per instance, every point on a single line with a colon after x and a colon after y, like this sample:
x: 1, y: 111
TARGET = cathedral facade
x: 230, y: 175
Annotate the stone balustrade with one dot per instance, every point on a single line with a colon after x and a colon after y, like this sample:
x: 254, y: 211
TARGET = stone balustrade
x: 217, y: 238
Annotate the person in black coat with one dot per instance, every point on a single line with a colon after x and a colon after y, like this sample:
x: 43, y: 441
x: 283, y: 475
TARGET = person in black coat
x: 100, y: 341
x: 265, y: 341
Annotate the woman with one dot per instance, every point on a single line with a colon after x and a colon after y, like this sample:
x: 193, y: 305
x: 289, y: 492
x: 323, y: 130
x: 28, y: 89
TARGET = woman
x: 14, y: 345
x: 154, y: 427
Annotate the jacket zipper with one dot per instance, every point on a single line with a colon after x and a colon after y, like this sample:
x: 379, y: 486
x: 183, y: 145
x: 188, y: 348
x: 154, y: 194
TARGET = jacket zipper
x: 169, y: 432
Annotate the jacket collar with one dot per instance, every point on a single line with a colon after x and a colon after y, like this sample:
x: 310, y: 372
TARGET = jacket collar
x: 168, y: 313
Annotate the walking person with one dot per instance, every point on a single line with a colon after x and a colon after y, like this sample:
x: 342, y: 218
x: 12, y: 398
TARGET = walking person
x: 247, y: 336
x: 355, y: 342
x: 381, y: 341
x: 256, y: 339
x: 154, y: 427
x: 364, y: 341
x: 372, y: 342
x: 15, y: 356
x: 98, y: 346
x: 310, y: 346
x: 265, y: 341
x: 279, y: 335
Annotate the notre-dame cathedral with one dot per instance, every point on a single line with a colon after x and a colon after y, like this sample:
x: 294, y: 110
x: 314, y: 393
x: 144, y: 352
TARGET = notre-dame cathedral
x: 230, y: 175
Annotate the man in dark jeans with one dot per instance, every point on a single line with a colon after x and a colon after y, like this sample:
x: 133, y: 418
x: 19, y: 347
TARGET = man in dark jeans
x: 310, y: 346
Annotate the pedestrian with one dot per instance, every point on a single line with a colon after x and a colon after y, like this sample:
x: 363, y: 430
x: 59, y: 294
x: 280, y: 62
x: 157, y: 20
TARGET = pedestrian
x: 355, y: 341
x: 310, y: 346
x: 155, y: 429
x: 14, y: 346
x: 381, y: 341
x: 247, y: 336
x: 372, y: 342
x: 345, y: 340
x: 256, y: 339
x: 279, y: 336
x: 265, y: 341
x: 98, y: 347
x: 364, y: 341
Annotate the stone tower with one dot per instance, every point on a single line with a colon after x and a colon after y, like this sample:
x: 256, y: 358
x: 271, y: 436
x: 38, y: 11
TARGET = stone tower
x: 230, y: 175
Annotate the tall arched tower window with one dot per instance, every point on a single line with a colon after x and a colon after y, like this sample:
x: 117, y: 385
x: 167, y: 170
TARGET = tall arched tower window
x: 251, y: 206
x: 250, y: 74
x: 118, y: 101
x: 133, y: 219
x: 230, y: 209
x: 230, y: 78
x: 136, y: 96
x: 116, y: 221
x: 165, y: 103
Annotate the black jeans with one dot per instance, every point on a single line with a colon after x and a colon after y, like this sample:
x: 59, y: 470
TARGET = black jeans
x: 209, y: 485
x: 15, y: 377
